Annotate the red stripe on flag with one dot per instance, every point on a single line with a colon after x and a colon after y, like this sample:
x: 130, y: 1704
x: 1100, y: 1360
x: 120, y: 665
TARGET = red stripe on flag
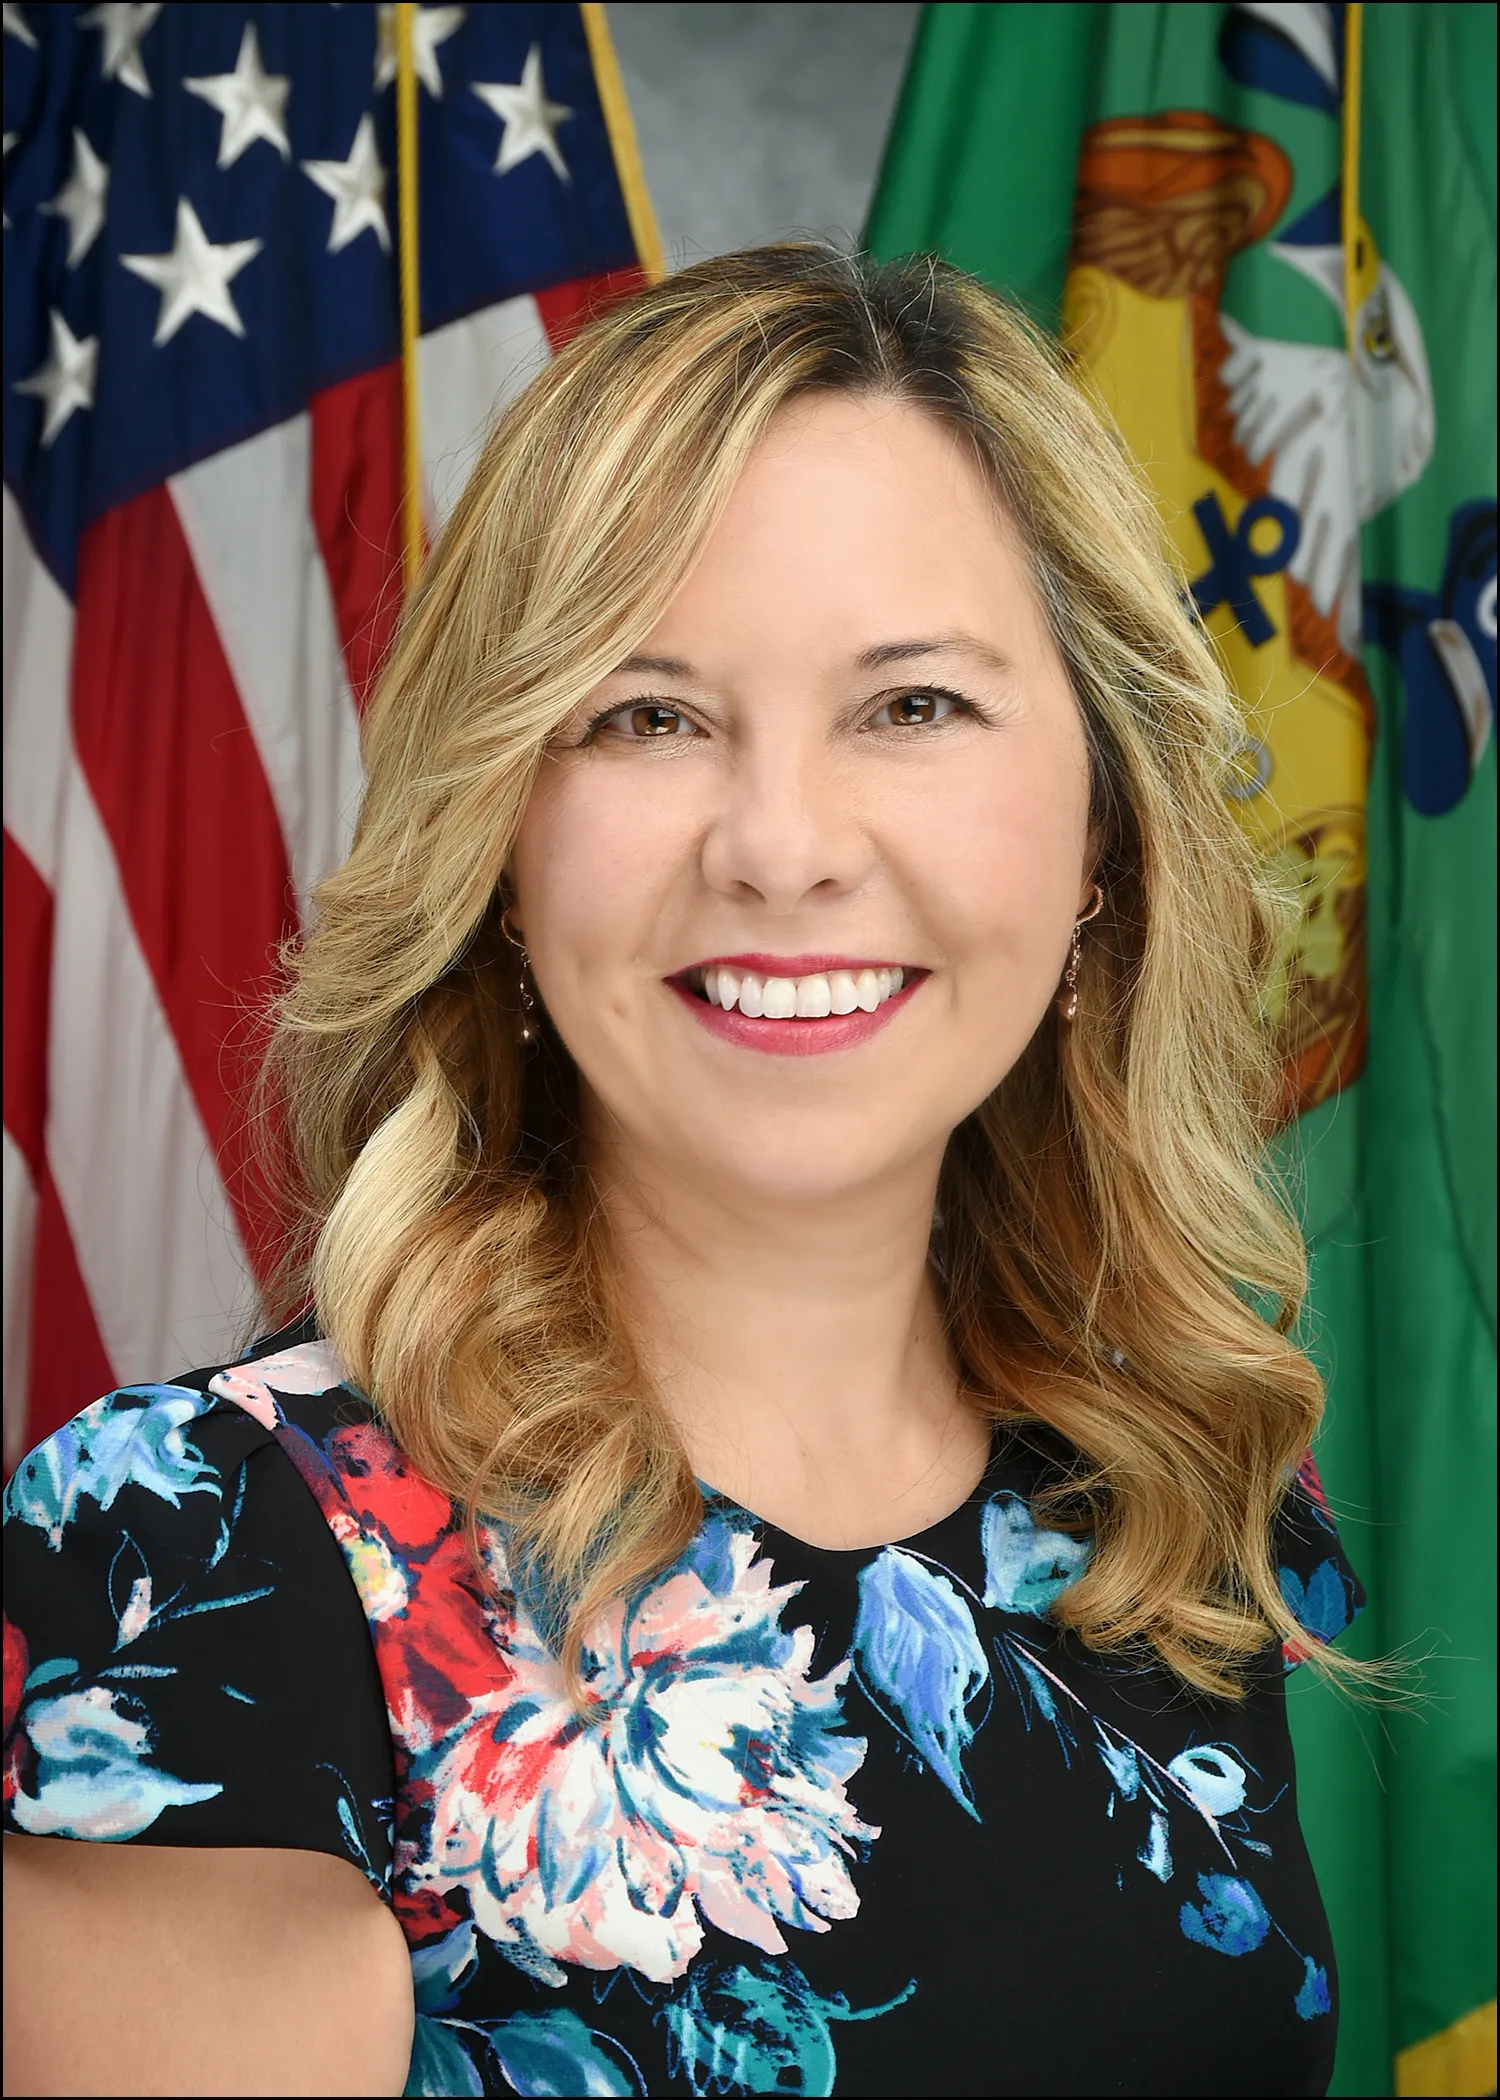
x: 356, y: 510
x: 174, y: 768
x: 565, y: 308
x: 28, y: 1000
x: 69, y: 1366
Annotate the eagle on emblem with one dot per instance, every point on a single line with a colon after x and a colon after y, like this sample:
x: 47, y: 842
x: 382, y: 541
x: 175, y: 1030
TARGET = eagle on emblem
x: 1341, y: 432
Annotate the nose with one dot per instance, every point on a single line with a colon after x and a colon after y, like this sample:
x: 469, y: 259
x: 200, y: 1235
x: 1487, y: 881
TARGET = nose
x: 787, y: 829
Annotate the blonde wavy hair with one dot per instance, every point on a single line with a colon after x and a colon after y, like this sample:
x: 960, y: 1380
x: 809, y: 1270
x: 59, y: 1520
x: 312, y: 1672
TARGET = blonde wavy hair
x: 1113, y: 1262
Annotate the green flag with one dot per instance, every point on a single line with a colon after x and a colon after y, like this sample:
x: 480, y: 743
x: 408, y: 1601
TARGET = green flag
x: 1307, y: 366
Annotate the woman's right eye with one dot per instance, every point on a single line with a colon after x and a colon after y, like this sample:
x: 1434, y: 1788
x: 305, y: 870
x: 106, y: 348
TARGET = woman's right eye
x: 647, y: 718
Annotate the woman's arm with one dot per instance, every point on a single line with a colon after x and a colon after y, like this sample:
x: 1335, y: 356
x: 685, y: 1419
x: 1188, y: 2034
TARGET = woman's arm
x: 155, y: 1969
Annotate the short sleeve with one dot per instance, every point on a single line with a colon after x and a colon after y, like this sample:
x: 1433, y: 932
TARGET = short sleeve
x: 1318, y: 1584
x: 186, y: 1658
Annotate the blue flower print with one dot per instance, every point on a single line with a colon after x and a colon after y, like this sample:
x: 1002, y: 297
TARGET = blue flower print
x: 1025, y: 1569
x: 1155, y: 1855
x: 1231, y: 1918
x: 553, y: 2052
x: 539, y: 2054
x: 1215, y: 1780
x: 918, y: 1656
x: 1313, y: 1999
x: 93, y: 1777
x: 1322, y: 1605
x: 442, y: 2060
x: 757, y: 2028
x: 440, y: 1969
x: 106, y: 1448
x: 1122, y: 1762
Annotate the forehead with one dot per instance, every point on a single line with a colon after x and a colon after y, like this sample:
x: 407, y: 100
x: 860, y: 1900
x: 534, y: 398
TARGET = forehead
x: 853, y: 514
x: 865, y: 455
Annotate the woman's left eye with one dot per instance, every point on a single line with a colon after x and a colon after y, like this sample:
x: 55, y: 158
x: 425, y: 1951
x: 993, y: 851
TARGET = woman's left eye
x: 918, y: 708
x: 647, y: 718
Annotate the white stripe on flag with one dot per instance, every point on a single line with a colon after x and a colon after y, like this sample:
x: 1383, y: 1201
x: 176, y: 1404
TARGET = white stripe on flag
x: 20, y: 1233
x: 38, y: 654
x: 249, y: 529
x: 467, y: 372
x: 38, y: 644
x: 158, y: 1249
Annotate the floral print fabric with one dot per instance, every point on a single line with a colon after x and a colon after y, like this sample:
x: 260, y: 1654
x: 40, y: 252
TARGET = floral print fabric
x: 835, y: 1822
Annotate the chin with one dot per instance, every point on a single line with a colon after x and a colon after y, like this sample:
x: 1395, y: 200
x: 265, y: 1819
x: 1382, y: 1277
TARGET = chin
x: 779, y: 1159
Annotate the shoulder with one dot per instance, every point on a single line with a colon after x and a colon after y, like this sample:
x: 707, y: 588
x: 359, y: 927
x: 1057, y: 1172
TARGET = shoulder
x: 185, y: 1653
x: 170, y: 1447
x: 168, y: 1473
x: 377, y: 1507
x: 1317, y: 1580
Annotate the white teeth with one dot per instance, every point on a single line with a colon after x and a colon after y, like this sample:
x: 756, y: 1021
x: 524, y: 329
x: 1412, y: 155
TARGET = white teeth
x: 810, y: 998
x: 780, y: 998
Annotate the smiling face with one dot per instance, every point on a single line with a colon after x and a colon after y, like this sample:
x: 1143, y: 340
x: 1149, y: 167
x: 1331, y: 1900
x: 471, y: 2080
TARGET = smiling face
x: 844, y: 781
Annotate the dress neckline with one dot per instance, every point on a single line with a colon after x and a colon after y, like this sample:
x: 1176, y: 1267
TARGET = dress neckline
x: 1002, y: 1439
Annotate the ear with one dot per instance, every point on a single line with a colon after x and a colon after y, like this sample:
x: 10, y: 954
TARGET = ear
x: 504, y: 903
x: 513, y: 933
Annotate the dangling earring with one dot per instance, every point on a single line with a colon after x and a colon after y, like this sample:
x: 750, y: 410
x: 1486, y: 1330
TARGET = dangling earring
x: 523, y: 981
x: 1067, y: 1003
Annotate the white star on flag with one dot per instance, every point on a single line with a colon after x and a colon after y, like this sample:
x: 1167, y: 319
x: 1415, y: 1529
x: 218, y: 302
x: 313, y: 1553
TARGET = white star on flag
x: 356, y: 186
x: 251, y: 102
x: 430, y: 26
x: 124, y: 24
x: 66, y: 380
x: 193, y: 277
x: 15, y: 25
x: 81, y: 200
x: 530, y: 120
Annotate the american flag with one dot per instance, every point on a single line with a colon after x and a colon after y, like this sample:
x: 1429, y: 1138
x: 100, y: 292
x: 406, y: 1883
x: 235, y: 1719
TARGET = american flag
x: 203, y: 448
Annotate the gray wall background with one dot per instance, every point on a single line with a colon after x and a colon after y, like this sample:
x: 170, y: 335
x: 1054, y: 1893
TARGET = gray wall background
x: 760, y: 121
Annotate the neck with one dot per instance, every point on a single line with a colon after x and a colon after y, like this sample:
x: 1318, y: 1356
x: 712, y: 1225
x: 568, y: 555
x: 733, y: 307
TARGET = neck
x: 798, y: 1346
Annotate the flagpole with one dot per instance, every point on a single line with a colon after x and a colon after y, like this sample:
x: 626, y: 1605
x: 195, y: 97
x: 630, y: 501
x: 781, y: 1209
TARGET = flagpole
x: 1349, y: 183
x: 621, y: 127
x: 406, y: 188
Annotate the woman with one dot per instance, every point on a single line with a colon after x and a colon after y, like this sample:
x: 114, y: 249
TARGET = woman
x: 776, y: 1094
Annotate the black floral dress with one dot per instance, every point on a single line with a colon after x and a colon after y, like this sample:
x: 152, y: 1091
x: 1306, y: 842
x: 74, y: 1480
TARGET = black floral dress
x: 844, y: 1822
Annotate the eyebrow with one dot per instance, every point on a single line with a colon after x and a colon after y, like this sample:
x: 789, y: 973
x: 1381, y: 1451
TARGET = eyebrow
x: 875, y: 658
x: 883, y: 653
x: 667, y: 666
